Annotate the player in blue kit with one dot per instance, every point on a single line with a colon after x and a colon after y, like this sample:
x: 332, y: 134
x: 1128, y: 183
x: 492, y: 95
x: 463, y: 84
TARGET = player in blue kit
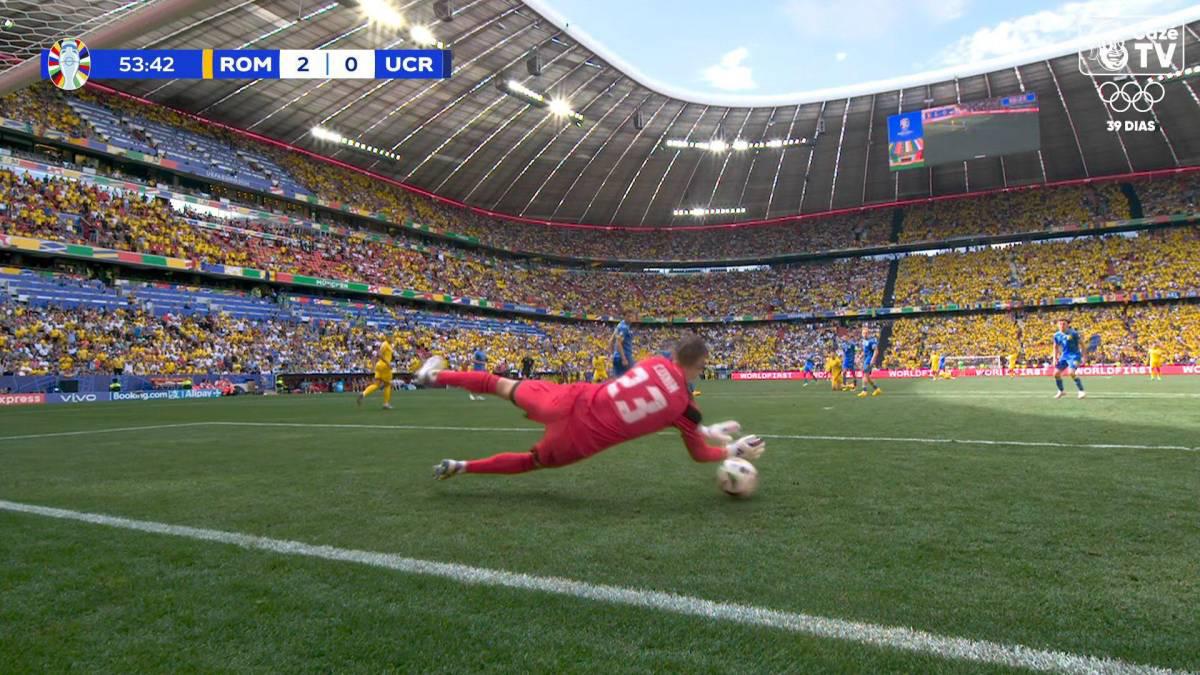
x: 870, y: 358
x: 848, y: 366
x: 942, y: 370
x: 809, y: 373
x: 622, y: 349
x: 479, y: 365
x: 1068, y: 355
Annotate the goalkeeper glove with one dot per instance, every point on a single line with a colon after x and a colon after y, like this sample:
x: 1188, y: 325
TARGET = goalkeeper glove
x: 747, y: 447
x: 721, y: 432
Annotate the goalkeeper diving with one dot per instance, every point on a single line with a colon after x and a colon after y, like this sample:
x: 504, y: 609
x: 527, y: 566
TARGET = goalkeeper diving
x: 584, y: 419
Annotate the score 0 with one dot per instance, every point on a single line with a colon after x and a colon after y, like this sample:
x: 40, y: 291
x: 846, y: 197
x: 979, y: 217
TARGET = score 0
x: 339, y: 64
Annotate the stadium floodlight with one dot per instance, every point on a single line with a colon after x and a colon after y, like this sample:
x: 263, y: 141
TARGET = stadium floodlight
x: 740, y: 145
x: 423, y: 36
x: 700, y: 212
x: 521, y: 90
x: 717, y: 146
x: 323, y: 134
x: 381, y: 12
x: 558, y: 107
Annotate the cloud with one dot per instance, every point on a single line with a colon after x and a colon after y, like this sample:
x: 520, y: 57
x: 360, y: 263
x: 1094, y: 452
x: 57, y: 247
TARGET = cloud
x: 943, y: 11
x: 731, y: 73
x: 840, y: 56
x: 821, y: 18
x: 1047, y: 27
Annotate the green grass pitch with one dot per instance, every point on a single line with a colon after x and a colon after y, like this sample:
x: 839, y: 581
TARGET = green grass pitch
x: 1084, y: 550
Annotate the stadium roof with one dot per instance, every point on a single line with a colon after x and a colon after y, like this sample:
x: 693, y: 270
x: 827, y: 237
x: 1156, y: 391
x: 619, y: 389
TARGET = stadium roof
x: 466, y: 140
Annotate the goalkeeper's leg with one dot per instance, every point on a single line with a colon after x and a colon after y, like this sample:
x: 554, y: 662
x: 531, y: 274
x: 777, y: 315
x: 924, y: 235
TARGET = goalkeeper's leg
x: 504, y: 462
x: 476, y: 382
x: 554, y: 449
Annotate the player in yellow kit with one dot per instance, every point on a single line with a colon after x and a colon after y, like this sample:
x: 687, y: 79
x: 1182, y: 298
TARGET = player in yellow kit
x: 933, y: 365
x: 833, y: 366
x: 1156, y: 363
x: 599, y: 369
x: 1012, y: 365
x: 383, y: 376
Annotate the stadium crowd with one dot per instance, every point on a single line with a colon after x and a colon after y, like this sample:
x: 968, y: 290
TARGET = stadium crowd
x: 75, y: 212
x: 1125, y: 335
x: 45, y: 339
x: 1171, y: 195
x: 1162, y: 261
x: 50, y: 340
x: 1026, y: 210
x: 36, y: 340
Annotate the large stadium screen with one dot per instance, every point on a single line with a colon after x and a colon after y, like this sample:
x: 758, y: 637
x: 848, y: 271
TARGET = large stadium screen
x: 955, y: 133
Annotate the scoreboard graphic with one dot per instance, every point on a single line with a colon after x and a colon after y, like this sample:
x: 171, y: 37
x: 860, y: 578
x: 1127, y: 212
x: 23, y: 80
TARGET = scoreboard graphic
x: 964, y: 131
x: 69, y: 64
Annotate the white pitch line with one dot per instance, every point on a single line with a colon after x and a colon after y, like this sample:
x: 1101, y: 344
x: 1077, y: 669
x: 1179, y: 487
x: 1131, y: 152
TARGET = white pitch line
x: 110, y: 430
x: 893, y: 393
x: 962, y: 441
x: 398, y: 427
x: 936, y: 441
x: 891, y: 637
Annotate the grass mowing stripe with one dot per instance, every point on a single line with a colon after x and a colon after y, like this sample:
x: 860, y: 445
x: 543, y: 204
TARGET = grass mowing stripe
x: 806, y: 437
x: 979, y: 651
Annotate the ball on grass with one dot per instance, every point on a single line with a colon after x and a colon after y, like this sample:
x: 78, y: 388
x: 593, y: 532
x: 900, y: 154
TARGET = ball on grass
x: 737, y: 477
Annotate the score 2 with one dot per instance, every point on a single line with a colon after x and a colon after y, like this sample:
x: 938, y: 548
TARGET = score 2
x: 320, y: 64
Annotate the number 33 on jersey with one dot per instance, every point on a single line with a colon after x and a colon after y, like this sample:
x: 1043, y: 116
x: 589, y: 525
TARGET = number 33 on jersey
x: 653, y: 388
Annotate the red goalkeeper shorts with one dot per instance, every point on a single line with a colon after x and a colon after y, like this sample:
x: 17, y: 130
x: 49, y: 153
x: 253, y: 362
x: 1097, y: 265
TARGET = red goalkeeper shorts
x: 552, y: 405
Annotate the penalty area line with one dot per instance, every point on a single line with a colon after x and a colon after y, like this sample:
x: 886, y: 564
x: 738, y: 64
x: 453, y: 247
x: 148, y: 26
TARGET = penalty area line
x: 888, y: 637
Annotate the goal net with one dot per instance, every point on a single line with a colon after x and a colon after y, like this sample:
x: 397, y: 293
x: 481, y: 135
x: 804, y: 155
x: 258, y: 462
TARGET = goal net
x: 977, y: 362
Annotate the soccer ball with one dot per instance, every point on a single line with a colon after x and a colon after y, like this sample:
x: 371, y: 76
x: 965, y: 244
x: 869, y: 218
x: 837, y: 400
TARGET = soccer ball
x: 737, y: 477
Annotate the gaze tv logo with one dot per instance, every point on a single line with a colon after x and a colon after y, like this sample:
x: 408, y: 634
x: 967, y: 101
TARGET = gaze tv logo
x: 1122, y: 63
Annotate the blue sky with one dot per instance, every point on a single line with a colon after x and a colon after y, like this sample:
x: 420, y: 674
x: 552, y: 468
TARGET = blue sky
x: 771, y: 47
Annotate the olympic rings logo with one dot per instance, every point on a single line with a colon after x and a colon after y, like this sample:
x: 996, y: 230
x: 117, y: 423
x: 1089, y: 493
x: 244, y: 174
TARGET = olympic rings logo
x: 1131, y: 95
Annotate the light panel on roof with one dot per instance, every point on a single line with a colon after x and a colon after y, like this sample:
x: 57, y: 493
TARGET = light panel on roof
x: 330, y: 136
x: 737, y: 145
x: 700, y: 212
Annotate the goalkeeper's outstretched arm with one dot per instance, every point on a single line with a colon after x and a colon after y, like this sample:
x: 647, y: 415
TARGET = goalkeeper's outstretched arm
x: 696, y: 438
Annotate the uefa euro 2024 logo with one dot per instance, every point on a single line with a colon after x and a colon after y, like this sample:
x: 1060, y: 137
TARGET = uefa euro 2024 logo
x: 69, y: 63
x: 1127, y: 72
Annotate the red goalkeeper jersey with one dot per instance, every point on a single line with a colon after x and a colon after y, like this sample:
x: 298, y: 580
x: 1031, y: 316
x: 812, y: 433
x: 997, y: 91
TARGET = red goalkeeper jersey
x: 652, y: 396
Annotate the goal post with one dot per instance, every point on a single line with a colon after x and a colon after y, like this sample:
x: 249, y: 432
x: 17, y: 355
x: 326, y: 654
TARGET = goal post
x: 974, y: 361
